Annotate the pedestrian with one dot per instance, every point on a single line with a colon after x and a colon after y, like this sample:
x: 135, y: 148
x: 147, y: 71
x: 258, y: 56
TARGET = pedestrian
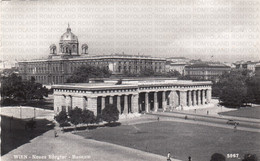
x: 55, y: 133
x: 169, y: 156
x: 235, y: 127
x: 189, y: 158
x: 158, y: 118
x: 207, y: 112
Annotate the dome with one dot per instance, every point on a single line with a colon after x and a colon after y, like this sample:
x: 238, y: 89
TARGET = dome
x: 69, y: 36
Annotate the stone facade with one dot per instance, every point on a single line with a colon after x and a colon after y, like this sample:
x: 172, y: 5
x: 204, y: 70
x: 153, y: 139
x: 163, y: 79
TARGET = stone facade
x: 60, y: 65
x: 136, y: 97
x: 206, y: 71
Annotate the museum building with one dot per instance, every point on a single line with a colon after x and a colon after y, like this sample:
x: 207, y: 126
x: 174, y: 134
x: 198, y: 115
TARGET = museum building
x: 133, y: 96
x: 63, y: 61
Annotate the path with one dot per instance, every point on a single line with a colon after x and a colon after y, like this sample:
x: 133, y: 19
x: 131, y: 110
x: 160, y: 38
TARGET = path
x: 68, y: 146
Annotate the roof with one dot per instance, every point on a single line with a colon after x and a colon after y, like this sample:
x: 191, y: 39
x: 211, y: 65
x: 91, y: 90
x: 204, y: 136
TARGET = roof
x: 68, y: 36
x: 130, y: 85
x: 204, y: 65
x: 95, y: 57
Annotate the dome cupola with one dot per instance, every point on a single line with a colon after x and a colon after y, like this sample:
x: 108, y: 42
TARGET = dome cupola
x: 69, y: 43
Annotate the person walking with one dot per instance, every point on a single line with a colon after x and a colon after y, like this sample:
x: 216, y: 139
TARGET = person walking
x: 169, y: 156
x: 235, y: 127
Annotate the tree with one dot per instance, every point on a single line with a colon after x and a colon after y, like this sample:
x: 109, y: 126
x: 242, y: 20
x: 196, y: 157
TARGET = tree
x: 217, y: 157
x: 88, y: 117
x: 232, y: 88
x: 250, y: 157
x: 75, y: 116
x: 14, y: 88
x: 253, y: 90
x: 110, y: 113
x: 147, y: 72
x: 83, y: 73
x: 174, y: 73
x: 62, y: 118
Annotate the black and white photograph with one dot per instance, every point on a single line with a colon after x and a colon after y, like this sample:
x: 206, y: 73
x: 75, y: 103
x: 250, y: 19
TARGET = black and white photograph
x: 130, y: 80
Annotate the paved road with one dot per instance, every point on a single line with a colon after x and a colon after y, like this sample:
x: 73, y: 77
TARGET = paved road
x: 68, y: 146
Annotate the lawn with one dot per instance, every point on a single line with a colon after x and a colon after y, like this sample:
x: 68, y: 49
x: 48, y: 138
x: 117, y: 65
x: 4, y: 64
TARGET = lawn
x: 13, y: 133
x: 181, y: 139
x: 249, y: 112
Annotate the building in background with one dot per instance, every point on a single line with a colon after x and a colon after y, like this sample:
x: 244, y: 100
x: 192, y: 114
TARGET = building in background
x: 206, y: 71
x: 246, y: 65
x: 63, y: 61
x: 257, y: 70
x: 178, y: 59
x: 175, y: 66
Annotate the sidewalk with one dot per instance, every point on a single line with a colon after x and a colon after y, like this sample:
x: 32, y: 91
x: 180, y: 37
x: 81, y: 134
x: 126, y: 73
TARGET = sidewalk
x: 215, y: 115
x: 68, y: 146
x: 26, y: 112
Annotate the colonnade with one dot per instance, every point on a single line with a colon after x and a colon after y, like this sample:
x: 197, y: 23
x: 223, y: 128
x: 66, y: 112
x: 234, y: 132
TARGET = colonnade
x: 173, y: 99
x: 133, y: 101
x: 124, y: 103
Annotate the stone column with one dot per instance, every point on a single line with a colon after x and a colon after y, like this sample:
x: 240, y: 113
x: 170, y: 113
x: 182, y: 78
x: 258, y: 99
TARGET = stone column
x: 163, y: 100
x: 146, y: 102
x: 194, y: 98
x: 208, y: 95
x: 199, y: 97
x: 155, y: 102
x: 203, y: 97
x: 125, y: 105
x: 170, y: 97
x: 189, y: 98
x: 102, y: 103
x: 84, y: 102
x: 118, y: 102
x: 110, y: 99
x: 68, y: 103
x: 183, y: 98
x: 135, y: 103
x: 175, y: 98
x: 92, y: 104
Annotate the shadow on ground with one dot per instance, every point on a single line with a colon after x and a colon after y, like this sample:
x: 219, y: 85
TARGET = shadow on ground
x: 91, y: 127
x: 14, y: 134
x: 248, y: 112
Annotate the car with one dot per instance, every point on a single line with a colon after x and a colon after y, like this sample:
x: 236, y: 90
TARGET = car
x: 232, y: 122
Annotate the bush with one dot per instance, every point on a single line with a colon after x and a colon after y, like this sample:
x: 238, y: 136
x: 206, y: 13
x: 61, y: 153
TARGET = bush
x: 217, y: 157
x: 88, y: 117
x: 250, y: 157
x: 62, y: 118
x: 110, y: 113
x: 75, y: 116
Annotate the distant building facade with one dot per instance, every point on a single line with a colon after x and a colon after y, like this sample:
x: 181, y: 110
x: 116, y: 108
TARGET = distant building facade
x: 63, y: 61
x: 246, y: 65
x: 257, y: 70
x: 206, y: 71
x: 133, y: 96
x: 175, y: 66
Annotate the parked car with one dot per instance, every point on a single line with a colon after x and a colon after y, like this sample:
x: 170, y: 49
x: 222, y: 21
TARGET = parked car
x: 232, y: 122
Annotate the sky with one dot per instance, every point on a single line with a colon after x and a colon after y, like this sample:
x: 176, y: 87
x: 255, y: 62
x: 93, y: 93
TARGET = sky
x: 211, y: 30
